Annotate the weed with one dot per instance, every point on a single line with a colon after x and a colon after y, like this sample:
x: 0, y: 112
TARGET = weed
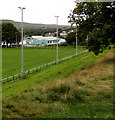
x: 25, y: 91
x: 63, y: 88
x: 69, y: 99
x: 59, y: 72
x: 105, y: 94
x: 53, y: 97
x: 39, y: 99
x: 78, y: 96
x: 80, y: 83
x: 11, y: 107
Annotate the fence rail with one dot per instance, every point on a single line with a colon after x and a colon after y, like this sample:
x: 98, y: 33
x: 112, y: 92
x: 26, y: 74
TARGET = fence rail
x: 39, y: 68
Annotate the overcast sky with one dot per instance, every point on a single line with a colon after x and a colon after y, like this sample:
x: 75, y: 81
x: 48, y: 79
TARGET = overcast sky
x: 37, y: 11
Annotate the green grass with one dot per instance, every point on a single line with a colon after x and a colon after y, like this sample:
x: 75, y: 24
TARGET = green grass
x: 33, y: 57
x: 50, y: 73
x: 0, y: 63
x: 75, y: 88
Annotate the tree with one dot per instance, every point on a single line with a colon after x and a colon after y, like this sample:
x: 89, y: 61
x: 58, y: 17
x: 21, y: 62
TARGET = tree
x: 98, y: 24
x: 71, y: 38
x: 10, y: 34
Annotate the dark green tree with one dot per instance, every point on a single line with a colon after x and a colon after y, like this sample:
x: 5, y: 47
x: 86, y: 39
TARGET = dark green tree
x: 10, y: 34
x: 71, y: 38
x: 98, y: 24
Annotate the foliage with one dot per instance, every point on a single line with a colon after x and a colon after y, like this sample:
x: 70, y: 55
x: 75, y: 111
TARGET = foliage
x: 39, y: 32
x: 71, y: 38
x: 96, y: 24
x: 10, y: 34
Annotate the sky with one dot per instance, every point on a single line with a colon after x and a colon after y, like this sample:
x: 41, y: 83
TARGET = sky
x: 37, y: 11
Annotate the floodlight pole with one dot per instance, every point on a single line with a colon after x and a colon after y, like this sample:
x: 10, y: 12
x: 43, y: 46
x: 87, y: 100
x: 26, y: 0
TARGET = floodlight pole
x: 22, y: 8
x: 57, y: 39
x: 76, y: 35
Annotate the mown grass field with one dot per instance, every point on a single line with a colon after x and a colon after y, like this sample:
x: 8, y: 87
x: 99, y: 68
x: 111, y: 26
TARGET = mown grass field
x: 80, y: 87
x: 33, y: 57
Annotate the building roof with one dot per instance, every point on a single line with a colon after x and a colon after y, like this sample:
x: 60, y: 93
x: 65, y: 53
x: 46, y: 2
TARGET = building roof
x: 44, y: 38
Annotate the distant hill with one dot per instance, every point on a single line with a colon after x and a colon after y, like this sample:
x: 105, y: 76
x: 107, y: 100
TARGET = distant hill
x: 32, y: 26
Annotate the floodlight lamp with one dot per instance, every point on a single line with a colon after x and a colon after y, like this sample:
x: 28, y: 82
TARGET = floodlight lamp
x: 19, y: 7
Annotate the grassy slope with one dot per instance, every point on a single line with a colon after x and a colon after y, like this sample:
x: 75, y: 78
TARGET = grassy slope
x: 70, y: 89
x: 33, y: 57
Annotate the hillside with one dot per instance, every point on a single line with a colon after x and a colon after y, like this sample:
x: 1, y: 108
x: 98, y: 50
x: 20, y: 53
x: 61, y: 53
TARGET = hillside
x: 80, y: 87
x: 32, y: 25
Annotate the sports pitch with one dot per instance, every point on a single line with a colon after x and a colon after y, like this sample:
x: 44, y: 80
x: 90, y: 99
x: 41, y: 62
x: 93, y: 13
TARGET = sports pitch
x: 33, y: 57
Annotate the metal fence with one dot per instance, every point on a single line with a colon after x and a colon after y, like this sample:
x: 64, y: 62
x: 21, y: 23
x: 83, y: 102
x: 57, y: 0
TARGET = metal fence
x: 39, y: 68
